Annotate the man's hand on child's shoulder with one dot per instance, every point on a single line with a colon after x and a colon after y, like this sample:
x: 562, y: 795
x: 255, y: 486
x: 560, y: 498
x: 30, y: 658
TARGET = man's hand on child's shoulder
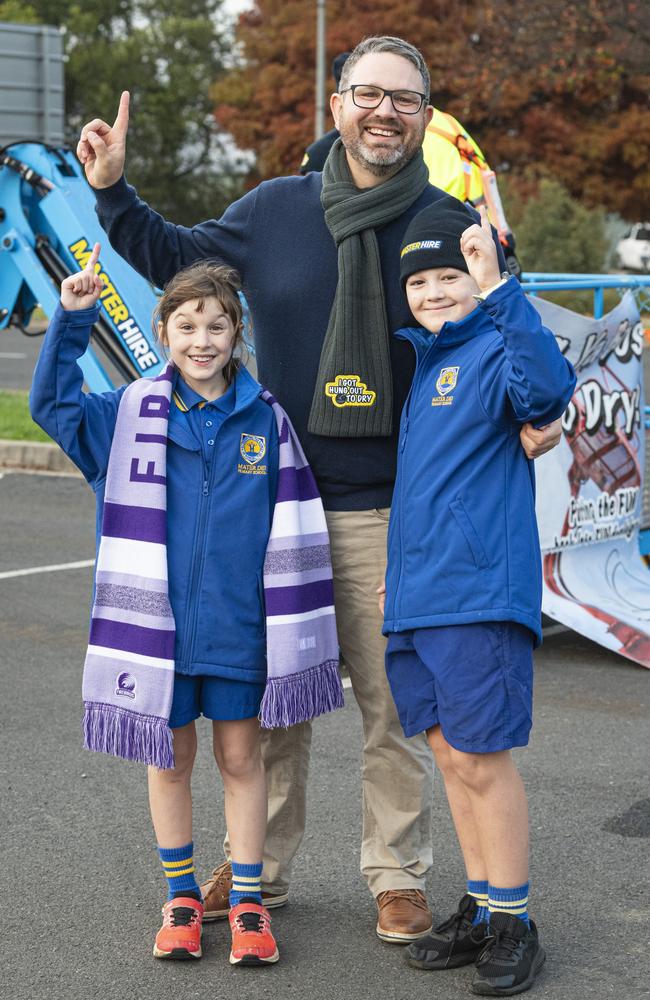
x: 478, y: 249
x: 82, y: 290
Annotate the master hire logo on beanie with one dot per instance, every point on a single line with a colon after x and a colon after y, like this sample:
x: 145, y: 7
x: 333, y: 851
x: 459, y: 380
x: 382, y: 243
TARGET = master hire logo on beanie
x: 432, y: 239
x: 422, y: 245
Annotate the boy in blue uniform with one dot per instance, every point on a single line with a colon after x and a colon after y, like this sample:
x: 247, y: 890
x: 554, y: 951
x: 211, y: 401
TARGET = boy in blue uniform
x: 463, y: 587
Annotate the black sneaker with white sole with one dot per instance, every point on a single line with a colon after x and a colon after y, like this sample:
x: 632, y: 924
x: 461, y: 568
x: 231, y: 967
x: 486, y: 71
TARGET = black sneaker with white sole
x: 511, y: 958
x: 455, y: 942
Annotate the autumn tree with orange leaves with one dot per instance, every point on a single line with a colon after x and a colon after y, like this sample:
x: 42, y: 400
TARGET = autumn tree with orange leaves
x: 549, y: 89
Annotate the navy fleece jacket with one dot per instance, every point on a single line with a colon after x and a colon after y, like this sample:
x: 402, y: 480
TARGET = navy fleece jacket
x: 277, y: 239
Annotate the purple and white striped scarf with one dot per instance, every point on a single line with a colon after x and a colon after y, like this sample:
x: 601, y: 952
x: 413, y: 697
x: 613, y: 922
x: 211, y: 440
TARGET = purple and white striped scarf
x: 128, y: 680
x: 302, y: 652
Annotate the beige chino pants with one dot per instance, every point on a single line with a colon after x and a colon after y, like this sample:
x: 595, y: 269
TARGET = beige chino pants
x: 397, y: 773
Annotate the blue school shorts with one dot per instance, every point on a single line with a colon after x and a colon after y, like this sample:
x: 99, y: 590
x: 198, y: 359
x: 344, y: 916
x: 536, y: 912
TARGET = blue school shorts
x: 219, y: 698
x: 475, y: 681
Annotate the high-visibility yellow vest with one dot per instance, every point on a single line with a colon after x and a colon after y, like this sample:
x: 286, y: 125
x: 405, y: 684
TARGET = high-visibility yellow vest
x: 457, y: 165
x: 453, y: 158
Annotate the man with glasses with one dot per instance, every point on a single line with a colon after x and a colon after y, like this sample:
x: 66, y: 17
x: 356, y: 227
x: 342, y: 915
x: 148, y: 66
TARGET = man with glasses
x: 319, y: 259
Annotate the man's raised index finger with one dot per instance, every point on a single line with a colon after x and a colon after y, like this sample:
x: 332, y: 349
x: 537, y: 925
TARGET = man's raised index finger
x: 121, y: 123
x: 485, y: 222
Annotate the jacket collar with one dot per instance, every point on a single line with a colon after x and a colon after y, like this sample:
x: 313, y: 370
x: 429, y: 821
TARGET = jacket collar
x: 247, y: 390
x: 473, y: 325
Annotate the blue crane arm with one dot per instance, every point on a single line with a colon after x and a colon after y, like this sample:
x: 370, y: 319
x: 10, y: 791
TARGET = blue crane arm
x: 48, y: 227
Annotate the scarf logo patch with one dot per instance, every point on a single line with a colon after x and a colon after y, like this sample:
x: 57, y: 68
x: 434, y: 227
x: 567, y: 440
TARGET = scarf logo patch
x: 125, y: 685
x: 252, y: 449
x: 445, y: 383
x: 349, y: 390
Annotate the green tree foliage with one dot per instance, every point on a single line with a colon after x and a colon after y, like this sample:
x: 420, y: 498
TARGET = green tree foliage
x: 555, y: 232
x: 168, y: 53
x: 549, y: 88
x: 16, y: 12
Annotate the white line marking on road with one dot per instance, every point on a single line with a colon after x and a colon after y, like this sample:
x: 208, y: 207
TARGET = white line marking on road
x: 82, y: 564
x: 12, y: 355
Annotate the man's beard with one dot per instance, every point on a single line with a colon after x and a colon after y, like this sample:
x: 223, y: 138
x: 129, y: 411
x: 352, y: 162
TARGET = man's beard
x: 380, y: 162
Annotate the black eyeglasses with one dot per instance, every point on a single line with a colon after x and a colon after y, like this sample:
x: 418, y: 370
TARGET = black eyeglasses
x: 406, y: 102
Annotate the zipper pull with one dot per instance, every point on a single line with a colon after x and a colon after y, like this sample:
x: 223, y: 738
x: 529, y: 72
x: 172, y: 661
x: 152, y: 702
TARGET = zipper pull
x: 205, y: 487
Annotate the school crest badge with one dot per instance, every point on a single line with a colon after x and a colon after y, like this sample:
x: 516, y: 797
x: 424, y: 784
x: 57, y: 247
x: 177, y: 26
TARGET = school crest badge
x: 447, y: 379
x: 445, y: 384
x: 252, y: 448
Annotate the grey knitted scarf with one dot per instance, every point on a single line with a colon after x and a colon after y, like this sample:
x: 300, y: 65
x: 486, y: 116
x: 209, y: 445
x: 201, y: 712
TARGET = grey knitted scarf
x: 353, y: 396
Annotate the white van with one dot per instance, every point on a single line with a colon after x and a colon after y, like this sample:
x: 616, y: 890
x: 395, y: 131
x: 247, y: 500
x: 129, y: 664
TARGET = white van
x: 633, y: 251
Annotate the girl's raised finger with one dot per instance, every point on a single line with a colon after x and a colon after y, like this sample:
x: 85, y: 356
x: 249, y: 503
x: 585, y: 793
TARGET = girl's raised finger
x: 94, y: 257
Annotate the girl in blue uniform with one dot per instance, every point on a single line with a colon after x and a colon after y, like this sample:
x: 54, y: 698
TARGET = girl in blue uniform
x: 184, y: 521
x: 463, y: 586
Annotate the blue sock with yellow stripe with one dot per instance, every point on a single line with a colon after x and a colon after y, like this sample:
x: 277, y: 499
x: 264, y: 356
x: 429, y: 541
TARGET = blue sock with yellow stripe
x: 479, y: 890
x: 512, y: 901
x: 246, y: 882
x: 178, y: 866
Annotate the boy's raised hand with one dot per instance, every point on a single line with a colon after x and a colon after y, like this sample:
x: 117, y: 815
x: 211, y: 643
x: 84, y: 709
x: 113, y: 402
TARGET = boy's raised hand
x: 81, y: 290
x: 478, y: 249
x: 102, y: 148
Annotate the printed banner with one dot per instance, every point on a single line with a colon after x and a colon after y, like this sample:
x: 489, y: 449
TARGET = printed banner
x: 590, y: 488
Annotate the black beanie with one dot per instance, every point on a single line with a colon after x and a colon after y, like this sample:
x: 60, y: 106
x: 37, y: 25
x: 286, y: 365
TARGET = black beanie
x: 337, y: 66
x: 433, y: 238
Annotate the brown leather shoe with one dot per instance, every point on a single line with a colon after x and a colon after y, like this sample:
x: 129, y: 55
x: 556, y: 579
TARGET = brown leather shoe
x: 404, y: 915
x: 216, y: 894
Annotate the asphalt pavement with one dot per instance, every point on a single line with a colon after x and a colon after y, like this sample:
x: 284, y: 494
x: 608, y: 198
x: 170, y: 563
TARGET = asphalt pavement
x: 18, y: 354
x: 80, y: 876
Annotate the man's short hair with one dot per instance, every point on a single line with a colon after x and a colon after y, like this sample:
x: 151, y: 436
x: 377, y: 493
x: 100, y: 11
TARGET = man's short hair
x: 386, y: 43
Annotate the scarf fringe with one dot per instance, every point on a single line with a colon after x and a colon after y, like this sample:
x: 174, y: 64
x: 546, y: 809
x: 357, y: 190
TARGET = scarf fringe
x: 301, y: 697
x: 112, y: 730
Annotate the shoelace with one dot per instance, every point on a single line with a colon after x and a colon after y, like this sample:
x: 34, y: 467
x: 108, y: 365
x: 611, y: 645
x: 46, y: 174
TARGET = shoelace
x: 251, y: 921
x: 501, y: 946
x: 222, y: 874
x: 181, y: 916
x: 456, y: 920
x: 414, y: 895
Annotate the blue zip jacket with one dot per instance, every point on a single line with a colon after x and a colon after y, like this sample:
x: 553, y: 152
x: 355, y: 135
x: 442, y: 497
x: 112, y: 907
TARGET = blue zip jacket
x: 463, y: 543
x: 219, y: 518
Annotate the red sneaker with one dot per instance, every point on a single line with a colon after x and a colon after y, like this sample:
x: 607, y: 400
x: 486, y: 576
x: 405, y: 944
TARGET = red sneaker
x: 252, y: 940
x: 180, y: 935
